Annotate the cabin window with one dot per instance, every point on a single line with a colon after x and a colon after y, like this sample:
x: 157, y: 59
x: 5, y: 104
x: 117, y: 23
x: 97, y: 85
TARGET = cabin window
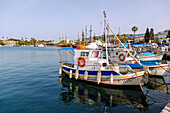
x: 116, y: 53
x: 95, y: 54
x: 84, y: 53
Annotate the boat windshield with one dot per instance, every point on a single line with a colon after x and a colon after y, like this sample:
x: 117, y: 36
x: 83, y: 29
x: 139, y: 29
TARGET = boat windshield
x: 84, y: 53
x: 95, y: 54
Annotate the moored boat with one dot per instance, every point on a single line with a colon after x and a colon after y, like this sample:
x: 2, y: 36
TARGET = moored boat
x: 90, y: 66
x: 120, y: 56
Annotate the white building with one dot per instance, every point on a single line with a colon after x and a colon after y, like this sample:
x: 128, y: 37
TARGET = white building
x: 162, y: 36
x: 138, y: 38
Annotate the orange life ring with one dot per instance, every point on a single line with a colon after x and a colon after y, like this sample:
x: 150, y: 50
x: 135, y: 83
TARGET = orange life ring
x: 80, y: 60
x: 122, y: 59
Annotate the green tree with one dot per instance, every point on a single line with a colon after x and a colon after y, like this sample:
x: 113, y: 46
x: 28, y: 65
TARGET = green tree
x: 151, y: 34
x: 1, y: 43
x: 125, y: 36
x: 147, y: 35
x: 164, y: 41
x: 33, y: 41
x: 134, y: 29
x: 157, y: 40
x: 118, y: 35
x: 131, y: 35
x: 3, y: 38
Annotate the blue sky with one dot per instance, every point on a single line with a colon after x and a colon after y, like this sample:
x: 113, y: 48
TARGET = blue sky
x: 47, y: 19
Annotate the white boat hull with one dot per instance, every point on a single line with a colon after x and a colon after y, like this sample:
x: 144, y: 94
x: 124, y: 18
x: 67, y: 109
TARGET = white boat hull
x: 159, y: 70
x: 118, y: 80
x: 151, y: 58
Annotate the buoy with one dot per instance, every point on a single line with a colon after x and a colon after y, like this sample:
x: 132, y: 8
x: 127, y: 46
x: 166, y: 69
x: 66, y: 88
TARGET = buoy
x: 111, y: 78
x: 77, y: 74
x: 120, y: 57
x: 85, y: 75
x: 81, y: 61
x: 60, y: 70
x: 98, y: 77
x: 70, y: 75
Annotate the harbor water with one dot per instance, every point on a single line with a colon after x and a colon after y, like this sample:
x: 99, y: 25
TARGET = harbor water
x: 29, y: 83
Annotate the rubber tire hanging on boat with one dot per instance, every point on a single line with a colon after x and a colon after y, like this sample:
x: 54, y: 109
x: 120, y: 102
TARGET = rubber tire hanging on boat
x: 79, y: 61
x: 60, y: 70
x: 77, y: 74
x: 99, y: 77
x: 122, y: 59
x: 85, y: 75
x: 71, y: 72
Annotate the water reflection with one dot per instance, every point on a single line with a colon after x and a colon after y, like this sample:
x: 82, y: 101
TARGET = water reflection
x: 77, y: 92
x: 157, y: 84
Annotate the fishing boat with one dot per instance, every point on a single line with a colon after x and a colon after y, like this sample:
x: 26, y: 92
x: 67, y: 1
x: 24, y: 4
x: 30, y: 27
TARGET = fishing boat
x: 148, y: 52
x: 91, y: 66
x: 149, y: 56
x: 120, y: 56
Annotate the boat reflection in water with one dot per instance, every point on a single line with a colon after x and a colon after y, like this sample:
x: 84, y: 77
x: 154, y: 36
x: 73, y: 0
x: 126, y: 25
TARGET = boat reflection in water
x: 157, y: 84
x: 78, y: 92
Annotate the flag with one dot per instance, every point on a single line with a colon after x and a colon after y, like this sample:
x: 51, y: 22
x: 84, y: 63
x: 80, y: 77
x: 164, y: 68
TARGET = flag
x: 101, y: 22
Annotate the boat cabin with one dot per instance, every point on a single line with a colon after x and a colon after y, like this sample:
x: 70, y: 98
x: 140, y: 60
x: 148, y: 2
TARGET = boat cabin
x: 119, y: 55
x: 89, y: 59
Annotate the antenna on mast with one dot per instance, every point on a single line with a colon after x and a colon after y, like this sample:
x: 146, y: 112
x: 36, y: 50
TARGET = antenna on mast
x: 107, y: 62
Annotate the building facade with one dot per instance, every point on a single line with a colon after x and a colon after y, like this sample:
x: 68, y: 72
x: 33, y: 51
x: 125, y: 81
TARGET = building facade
x: 161, y: 36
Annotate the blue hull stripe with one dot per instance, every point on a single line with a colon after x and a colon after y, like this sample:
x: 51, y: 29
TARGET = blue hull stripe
x: 92, y: 73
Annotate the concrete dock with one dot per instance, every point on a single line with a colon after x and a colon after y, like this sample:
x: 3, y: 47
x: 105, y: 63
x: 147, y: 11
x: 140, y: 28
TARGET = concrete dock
x: 166, y: 109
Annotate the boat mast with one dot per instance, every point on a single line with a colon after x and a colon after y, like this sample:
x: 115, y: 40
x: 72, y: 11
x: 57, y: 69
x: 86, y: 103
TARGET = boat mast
x: 91, y: 40
x: 86, y: 35
x: 105, y: 37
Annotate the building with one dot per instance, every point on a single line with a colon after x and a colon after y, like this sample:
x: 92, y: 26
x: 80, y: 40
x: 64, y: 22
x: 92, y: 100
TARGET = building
x: 139, y: 37
x: 10, y: 43
x: 161, y: 36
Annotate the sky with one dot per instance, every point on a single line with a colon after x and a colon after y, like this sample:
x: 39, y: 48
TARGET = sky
x: 49, y: 19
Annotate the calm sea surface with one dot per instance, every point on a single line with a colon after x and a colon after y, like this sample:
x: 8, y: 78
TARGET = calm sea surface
x: 29, y: 83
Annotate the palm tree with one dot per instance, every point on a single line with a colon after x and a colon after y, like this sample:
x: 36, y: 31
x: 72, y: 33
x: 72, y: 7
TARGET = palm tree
x: 134, y: 29
x: 3, y: 37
